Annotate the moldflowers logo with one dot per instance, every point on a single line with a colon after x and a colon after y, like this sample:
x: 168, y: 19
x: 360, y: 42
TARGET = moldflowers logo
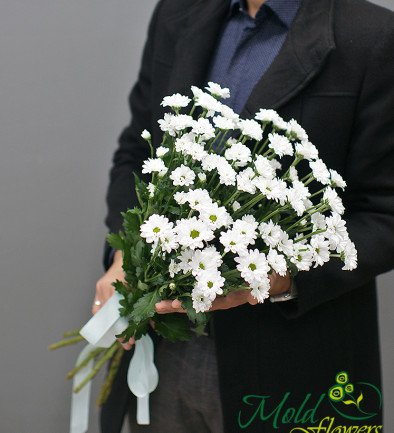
x: 354, y: 405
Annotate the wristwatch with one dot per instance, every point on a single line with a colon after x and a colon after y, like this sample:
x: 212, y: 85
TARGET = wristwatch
x: 286, y: 296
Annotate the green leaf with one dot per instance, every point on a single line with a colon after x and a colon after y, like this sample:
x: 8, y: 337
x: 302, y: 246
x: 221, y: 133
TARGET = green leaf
x: 174, y: 327
x: 128, y: 332
x: 348, y: 402
x: 131, y: 222
x: 174, y: 210
x: 115, y: 240
x: 360, y: 398
x: 145, y: 306
x: 142, y: 286
x: 141, y: 329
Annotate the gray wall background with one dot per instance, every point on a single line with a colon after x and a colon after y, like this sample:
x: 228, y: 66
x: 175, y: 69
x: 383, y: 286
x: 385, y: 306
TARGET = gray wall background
x: 66, y: 70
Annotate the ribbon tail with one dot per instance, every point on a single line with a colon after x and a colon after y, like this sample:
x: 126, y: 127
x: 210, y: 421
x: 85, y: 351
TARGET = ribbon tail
x: 143, y: 417
x: 79, y: 418
x: 142, y: 377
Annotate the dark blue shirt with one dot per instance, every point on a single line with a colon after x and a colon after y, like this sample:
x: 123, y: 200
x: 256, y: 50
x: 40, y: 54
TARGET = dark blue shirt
x: 247, y: 47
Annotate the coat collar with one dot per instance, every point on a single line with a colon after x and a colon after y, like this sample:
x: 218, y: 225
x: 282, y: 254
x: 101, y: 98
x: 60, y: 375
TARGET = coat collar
x: 307, y: 45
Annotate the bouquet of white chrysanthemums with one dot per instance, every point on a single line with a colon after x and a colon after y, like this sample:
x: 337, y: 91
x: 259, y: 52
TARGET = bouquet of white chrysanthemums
x: 226, y: 202
x: 229, y: 202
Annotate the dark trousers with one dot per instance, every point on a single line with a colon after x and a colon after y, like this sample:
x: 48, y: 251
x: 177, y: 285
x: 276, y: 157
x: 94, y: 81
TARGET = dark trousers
x: 187, y: 398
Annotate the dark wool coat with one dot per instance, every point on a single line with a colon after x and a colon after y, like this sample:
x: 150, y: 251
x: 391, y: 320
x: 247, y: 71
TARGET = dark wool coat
x: 334, y: 75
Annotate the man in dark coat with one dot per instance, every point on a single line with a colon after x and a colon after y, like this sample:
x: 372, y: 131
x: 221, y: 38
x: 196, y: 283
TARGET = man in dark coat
x: 334, y: 74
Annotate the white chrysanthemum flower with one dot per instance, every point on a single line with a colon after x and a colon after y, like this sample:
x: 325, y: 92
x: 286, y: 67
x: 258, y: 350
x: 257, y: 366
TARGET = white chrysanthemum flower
x: 181, y: 197
x: 146, y: 135
x: 172, y: 124
x: 233, y: 241
x: 203, y: 128
x: 320, y: 171
x: 202, y: 177
x: 202, y: 300
x: 206, y: 101
x: 198, y: 199
x: 211, y: 161
x: 245, y: 181
x: 296, y: 131
x: 173, y: 268
x: 251, y: 129
x: 155, y: 227
x: 154, y: 165
x: 192, y: 233
x: 217, y: 91
x: 183, y: 176
x: 168, y: 241
x: 286, y: 245
x: 208, y: 259
x: 216, y: 216
x: 184, y: 142
x: 223, y: 123
x: 264, y: 167
x: 271, y: 233
x: 319, y: 221
x: 254, y: 269
x: 229, y: 113
x: 348, y: 253
x: 227, y: 175
x: 175, y: 101
x: 336, y: 230
x: 247, y: 228
x: 320, y: 249
x: 235, y: 206
x: 297, y: 195
x: 161, y: 151
x: 337, y: 180
x: 185, y: 260
x: 196, y: 151
x: 274, y: 189
x: 239, y: 153
x: 280, y: 145
x: 151, y: 189
x: 334, y: 201
x: 276, y: 165
x: 277, y: 262
x: 293, y: 174
x: 210, y: 282
x: 303, y: 257
x: 264, y: 115
x: 296, y: 202
x: 307, y: 150
x: 181, y: 122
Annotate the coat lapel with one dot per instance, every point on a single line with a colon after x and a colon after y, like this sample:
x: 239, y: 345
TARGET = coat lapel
x: 308, y: 43
x: 196, y: 44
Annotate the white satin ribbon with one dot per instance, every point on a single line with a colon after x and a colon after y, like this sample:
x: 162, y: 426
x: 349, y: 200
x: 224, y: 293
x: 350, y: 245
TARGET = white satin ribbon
x: 142, y: 376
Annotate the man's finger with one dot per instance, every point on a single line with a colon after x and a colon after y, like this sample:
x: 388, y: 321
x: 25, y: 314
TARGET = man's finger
x: 128, y: 345
x: 167, y: 306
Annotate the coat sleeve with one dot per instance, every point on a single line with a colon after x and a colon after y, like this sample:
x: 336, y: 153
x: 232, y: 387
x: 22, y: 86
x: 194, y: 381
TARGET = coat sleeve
x: 132, y: 149
x: 369, y: 198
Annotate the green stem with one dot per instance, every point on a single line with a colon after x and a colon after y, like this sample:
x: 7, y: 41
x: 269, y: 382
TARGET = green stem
x: 113, y: 369
x: 107, y: 355
x: 63, y: 343
x: 85, y: 362
x: 72, y: 333
x: 309, y: 235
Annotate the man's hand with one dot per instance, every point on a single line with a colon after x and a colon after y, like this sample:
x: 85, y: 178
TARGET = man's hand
x: 278, y: 285
x: 105, y: 289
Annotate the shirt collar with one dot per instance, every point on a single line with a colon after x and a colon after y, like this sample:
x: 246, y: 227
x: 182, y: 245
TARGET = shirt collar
x: 285, y: 10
